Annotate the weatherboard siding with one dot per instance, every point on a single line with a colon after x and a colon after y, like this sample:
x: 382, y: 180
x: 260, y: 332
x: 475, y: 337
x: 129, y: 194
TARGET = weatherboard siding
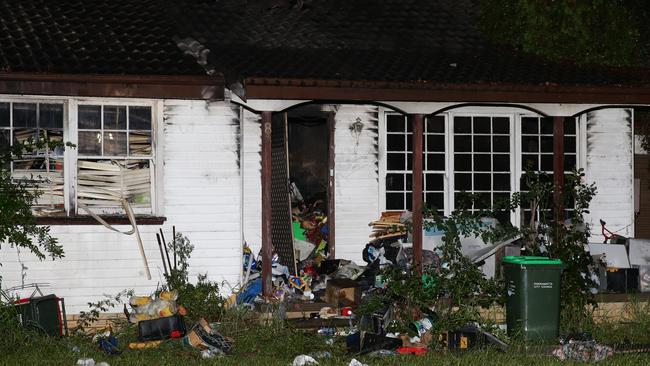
x: 201, y: 195
x: 252, y: 172
x: 610, y: 165
x: 356, y: 179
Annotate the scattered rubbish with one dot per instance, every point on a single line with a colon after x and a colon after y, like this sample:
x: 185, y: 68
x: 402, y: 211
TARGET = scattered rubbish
x: 212, y: 353
x: 584, y: 351
x: 302, y: 360
x: 145, y: 345
x: 382, y: 353
x: 355, y: 362
x: 204, y: 337
x: 86, y: 362
x: 103, y: 363
x: 161, y: 328
x: 418, y: 351
x: 107, y: 342
x: 321, y: 354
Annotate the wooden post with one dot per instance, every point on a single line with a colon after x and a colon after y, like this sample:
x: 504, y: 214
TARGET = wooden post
x: 331, y: 237
x: 558, y: 166
x: 267, y: 240
x: 418, y: 134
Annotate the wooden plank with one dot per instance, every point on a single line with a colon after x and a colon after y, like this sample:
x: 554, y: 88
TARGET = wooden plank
x: 267, y: 249
x: 331, y: 184
x: 558, y: 166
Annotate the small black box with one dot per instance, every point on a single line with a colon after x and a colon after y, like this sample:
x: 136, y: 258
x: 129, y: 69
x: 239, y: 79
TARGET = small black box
x: 161, y: 328
x: 622, y: 280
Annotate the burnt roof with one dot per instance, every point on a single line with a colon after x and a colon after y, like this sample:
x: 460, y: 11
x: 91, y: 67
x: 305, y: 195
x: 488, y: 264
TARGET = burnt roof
x: 376, y: 40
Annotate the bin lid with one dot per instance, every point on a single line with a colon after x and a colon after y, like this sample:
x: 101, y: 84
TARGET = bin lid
x: 524, y: 260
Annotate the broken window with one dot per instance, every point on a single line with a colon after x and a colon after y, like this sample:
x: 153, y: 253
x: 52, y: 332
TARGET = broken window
x: 115, y: 157
x: 40, y: 169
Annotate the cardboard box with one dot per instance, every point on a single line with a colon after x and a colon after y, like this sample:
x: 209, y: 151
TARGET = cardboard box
x: 342, y: 292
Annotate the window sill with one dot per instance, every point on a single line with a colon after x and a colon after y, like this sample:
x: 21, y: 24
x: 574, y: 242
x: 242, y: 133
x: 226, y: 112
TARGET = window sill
x: 87, y: 220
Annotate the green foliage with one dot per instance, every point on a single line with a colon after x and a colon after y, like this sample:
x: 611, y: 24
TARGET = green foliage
x: 562, y: 239
x: 17, y: 222
x: 605, y: 32
x: 88, y: 318
x: 202, y: 300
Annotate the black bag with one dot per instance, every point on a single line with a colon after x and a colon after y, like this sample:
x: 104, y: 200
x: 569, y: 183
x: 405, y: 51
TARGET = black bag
x: 161, y: 328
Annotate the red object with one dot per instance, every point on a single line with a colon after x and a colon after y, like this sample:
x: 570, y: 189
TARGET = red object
x: 347, y: 311
x: 175, y: 334
x: 411, y: 350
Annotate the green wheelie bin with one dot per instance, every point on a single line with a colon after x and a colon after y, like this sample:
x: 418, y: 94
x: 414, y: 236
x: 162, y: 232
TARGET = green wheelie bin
x: 533, y: 297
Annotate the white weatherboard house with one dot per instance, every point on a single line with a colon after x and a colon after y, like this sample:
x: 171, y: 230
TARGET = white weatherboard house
x: 182, y: 97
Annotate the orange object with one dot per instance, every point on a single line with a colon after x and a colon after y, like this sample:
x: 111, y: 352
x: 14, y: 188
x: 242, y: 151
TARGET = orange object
x: 182, y: 310
x: 411, y: 350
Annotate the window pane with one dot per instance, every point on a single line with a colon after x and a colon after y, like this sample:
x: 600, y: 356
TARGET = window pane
x: 530, y: 144
x: 24, y: 114
x: 395, y: 143
x: 481, y: 124
x: 462, y: 143
x: 570, y: 126
x: 482, y: 143
x: 546, y: 144
x: 434, y: 182
x: 546, y: 163
x: 409, y: 181
x: 409, y: 161
x: 501, y: 182
x: 570, y: 144
x: 463, y: 162
x: 114, y: 143
x: 482, y: 163
x: 501, y: 144
x: 409, y: 142
x: 90, y: 143
x: 395, y: 123
x: 462, y: 124
x: 395, y: 161
x: 23, y: 135
x: 435, y: 143
x: 435, y: 124
x: 4, y: 138
x: 394, y: 182
x: 529, y: 125
x: 463, y: 182
x: 4, y: 114
x: 408, y: 201
x: 435, y: 162
x: 114, y: 117
x: 529, y: 162
x: 569, y: 162
x: 501, y: 125
x: 90, y: 117
x: 140, y: 118
x: 546, y: 126
x: 50, y: 115
x: 501, y: 163
x: 482, y: 201
x: 140, y: 143
x: 482, y: 182
x: 435, y: 200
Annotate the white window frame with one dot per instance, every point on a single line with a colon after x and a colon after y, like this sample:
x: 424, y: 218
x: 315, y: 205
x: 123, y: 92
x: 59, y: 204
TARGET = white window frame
x: 70, y: 134
x: 514, y: 115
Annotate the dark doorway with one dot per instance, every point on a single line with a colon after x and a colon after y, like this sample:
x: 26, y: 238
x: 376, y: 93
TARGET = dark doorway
x: 308, y: 157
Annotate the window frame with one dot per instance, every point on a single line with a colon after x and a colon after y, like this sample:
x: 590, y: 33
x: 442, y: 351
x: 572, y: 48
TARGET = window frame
x: 70, y: 156
x: 515, y: 116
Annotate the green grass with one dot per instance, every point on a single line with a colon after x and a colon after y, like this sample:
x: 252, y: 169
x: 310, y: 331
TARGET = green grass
x: 276, y: 344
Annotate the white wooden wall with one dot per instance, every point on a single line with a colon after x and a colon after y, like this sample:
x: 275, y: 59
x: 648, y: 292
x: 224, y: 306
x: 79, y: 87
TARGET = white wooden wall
x: 357, y: 179
x: 201, y: 195
x: 610, y: 165
x: 252, y: 172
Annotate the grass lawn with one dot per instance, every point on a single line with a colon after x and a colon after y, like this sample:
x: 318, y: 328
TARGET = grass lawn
x: 276, y: 344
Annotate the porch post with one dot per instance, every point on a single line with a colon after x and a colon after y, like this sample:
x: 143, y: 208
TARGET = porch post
x: 558, y: 166
x: 331, y: 183
x: 267, y: 240
x: 418, y: 131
